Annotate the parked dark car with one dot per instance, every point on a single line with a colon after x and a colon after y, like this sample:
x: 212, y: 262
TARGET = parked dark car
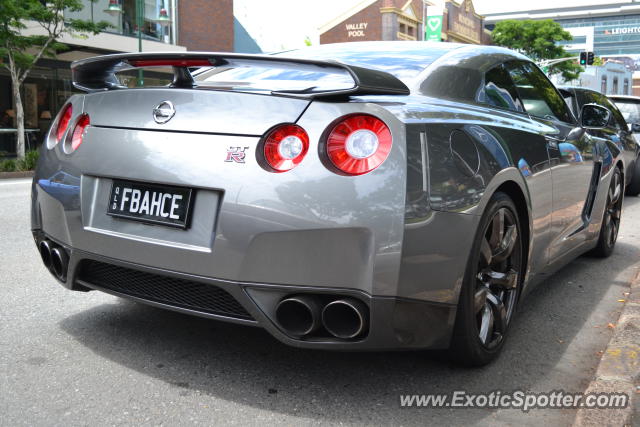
x: 620, y: 128
x: 629, y: 106
x: 383, y: 195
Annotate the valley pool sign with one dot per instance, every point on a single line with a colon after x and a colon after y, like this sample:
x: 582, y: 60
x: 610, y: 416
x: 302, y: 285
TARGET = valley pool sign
x: 356, y: 30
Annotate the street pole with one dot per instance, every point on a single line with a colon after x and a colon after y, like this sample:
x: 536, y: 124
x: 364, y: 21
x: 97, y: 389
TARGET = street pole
x: 140, y: 21
x: 549, y: 62
x: 424, y: 20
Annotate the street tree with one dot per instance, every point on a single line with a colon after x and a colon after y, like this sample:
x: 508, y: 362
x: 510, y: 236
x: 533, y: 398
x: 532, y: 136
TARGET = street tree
x: 29, y: 30
x: 539, y: 40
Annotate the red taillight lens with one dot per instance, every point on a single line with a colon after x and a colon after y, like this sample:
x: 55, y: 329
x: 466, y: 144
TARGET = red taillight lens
x: 78, y: 131
x: 63, y: 123
x: 285, y: 146
x: 358, y: 144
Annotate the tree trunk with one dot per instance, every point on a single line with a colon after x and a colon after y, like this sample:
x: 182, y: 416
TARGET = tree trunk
x: 20, y: 144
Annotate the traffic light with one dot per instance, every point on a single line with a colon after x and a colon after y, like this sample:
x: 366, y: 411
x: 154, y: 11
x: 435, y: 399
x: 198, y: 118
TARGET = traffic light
x: 583, y: 58
x: 586, y: 58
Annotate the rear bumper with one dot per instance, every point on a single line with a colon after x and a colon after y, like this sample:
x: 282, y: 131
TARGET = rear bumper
x: 395, y: 323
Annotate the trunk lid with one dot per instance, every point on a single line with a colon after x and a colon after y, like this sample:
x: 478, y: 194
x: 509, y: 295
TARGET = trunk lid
x: 200, y: 111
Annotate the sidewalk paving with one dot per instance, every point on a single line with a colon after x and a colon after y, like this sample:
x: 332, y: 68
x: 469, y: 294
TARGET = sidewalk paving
x: 619, y: 368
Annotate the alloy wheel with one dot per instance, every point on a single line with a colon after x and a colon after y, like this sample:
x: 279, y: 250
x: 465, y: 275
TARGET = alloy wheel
x: 498, y: 277
x: 613, y: 211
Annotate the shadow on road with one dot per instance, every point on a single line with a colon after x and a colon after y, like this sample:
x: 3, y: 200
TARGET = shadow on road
x: 248, y: 366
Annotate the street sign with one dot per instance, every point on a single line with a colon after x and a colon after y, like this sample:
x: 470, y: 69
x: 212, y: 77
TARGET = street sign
x: 433, y: 29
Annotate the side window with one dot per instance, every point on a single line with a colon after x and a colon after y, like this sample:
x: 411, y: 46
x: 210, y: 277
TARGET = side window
x: 539, y: 96
x: 500, y: 91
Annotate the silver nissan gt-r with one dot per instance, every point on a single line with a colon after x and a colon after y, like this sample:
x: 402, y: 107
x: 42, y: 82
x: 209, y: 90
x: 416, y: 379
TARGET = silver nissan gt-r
x: 383, y: 195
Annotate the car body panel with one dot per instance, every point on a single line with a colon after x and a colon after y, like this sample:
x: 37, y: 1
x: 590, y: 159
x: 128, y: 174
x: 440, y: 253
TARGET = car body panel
x: 397, y: 238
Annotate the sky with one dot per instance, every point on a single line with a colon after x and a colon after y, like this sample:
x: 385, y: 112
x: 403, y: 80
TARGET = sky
x: 285, y: 24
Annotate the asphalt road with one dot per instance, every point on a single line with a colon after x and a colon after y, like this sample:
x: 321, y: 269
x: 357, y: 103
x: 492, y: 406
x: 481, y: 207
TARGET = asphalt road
x: 70, y: 358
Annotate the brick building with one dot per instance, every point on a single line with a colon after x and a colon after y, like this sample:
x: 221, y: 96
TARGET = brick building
x: 461, y: 24
x: 372, y: 20
x: 206, y: 25
x: 376, y: 20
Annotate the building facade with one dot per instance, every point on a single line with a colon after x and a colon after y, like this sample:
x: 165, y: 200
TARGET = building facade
x: 611, y: 31
x: 611, y: 78
x: 373, y: 20
x: 461, y: 24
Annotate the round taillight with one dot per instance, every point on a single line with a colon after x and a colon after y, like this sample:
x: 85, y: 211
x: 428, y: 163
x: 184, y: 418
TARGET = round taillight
x: 78, y: 132
x: 63, y: 122
x: 358, y: 144
x: 285, y: 146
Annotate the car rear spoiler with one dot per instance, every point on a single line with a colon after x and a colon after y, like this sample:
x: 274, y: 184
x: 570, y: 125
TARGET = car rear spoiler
x: 99, y: 73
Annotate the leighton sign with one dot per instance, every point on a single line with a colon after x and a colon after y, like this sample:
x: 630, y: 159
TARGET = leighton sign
x: 624, y: 30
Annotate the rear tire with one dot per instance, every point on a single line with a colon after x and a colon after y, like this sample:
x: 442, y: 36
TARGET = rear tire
x: 610, y: 224
x: 633, y: 189
x: 491, y: 285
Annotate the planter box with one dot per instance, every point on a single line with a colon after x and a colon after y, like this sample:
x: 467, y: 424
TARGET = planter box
x: 7, y: 175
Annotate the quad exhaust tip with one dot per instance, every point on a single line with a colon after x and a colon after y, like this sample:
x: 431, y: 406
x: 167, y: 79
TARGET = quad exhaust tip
x: 45, y: 253
x: 55, y: 258
x: 345, y: 318
x: 298, y: 315
x: 59, y: 262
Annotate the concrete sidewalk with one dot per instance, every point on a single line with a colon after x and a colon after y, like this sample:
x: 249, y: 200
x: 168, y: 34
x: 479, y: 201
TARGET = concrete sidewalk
x: 619, y: 369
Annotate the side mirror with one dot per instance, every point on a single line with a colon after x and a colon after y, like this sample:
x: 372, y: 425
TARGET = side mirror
x: 635, y: 127
x: 595, y: 116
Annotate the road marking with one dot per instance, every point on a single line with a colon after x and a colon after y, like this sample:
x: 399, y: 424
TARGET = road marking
x: 26, y: 181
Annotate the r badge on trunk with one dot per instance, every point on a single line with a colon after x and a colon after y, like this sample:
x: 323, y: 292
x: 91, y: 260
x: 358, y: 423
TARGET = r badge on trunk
x: 236, y: 154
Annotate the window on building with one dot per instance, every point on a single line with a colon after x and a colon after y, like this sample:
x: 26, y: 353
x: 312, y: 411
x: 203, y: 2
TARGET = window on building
x: 614, y: 88
x: 155, y: 13
x: 603, y: 84
x: 407, y: 30
x: 626, y: 87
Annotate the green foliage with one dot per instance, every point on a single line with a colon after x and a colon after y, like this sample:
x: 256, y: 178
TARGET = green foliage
x: 538, y: 40
x: 8, y: 165
x: 19, y: 52
x: 29, y: 162
x: 24, y: 50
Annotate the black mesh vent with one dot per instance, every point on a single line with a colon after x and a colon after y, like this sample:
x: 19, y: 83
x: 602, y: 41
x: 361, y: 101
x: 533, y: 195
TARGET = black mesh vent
x: 166, y: 290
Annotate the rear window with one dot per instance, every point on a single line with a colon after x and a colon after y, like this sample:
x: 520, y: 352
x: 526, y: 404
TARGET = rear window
x: 404, y: 60
x: 630, y: 110
x: 275, y: 78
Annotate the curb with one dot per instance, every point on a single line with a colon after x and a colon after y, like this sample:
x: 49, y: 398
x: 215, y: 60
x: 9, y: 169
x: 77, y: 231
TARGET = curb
x: 619, y: 368
x: 10, y: 175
